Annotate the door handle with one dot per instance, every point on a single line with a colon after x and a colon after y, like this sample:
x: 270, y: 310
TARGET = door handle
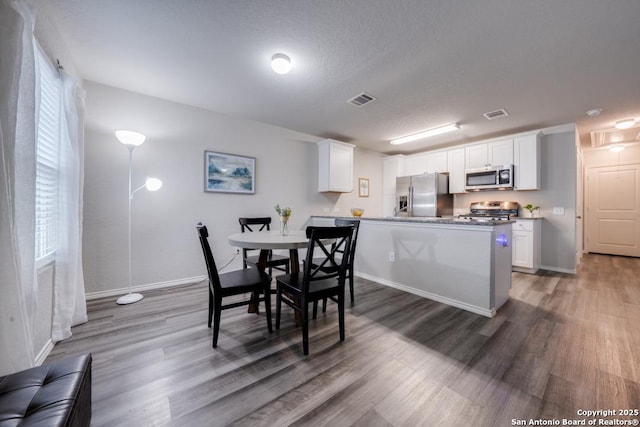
x: 578, y: 217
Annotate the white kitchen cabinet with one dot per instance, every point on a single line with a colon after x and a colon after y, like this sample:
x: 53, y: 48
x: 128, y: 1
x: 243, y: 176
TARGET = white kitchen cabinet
x: 426, y: 163
x: 455, y: 163
x: 501, y: 152
x: 335, y: 168
x: 498, y: 152
x: 476, y: 156
x: 392, y: 167
x: 416, y: 164
x: 437, y: 162
x: 388, y: 206
x: 526, y: 161
x: 525, y: 245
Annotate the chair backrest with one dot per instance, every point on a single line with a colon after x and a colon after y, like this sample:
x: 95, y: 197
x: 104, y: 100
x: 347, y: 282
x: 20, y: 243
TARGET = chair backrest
x: 246, y: 223
x: 356, y: 226
x: 323, y: 245
x: 214, y: 279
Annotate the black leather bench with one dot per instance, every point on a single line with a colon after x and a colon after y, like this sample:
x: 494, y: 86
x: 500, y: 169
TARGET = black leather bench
x: 58, y: 394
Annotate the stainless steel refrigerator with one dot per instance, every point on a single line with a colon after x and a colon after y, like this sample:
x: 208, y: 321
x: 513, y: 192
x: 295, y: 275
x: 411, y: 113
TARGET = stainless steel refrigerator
x: 423, y: 195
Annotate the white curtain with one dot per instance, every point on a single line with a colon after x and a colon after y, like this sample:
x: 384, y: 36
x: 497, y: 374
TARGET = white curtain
x: 69, y: 303
x: 17, y: 187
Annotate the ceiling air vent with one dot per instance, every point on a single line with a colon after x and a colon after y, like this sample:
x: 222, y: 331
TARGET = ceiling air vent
x: 361, y: 99
x: 496, y: 114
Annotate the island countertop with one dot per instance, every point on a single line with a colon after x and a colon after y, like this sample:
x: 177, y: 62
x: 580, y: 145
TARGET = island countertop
x: 426, y: 220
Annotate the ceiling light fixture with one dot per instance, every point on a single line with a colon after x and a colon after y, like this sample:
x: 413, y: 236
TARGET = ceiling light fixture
x: 625, y: 124
x: 616, y: 148
x: 281, y: 63
x: 594, y: 112
x: 425, y: 134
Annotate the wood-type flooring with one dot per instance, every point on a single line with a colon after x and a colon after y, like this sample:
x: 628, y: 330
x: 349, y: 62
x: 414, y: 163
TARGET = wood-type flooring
x: 562, y: 344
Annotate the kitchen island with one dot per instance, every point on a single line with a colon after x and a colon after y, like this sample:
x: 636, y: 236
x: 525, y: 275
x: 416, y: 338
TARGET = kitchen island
x: 463, y: 263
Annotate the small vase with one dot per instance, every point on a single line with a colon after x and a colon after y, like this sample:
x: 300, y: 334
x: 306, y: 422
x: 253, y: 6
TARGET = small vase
x: 284, y: 225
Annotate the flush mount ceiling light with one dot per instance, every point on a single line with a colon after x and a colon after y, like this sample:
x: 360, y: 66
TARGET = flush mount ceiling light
x: 594, y: 112
x: 425, y: 134
x: 281, y: 63
x: 625, y: 124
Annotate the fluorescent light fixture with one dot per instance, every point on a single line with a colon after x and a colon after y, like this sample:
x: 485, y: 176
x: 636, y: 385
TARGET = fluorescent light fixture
x: 616, y: 148
x: 425, y: 134
x: 129, y: 137
x: 625, y: 124
x: 281, y: 63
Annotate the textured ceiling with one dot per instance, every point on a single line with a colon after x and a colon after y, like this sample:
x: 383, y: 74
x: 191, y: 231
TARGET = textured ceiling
x: 428, y: 63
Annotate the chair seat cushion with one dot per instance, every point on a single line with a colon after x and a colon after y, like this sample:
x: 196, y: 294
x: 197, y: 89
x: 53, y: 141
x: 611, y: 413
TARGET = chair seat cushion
x: 293, y: 283
x: 247, y: 278
x: 58, y: 394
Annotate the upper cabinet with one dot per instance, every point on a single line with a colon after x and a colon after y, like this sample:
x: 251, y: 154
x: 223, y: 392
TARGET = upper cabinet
x: 526, y: 161
x: 426, y: 162
x: 456, y: 170
x: 437, y: 162
x: 522, y: 150
x: 498, y: 152
x: 335, y: 168
x: 392, y: 167
x: 416, y: 164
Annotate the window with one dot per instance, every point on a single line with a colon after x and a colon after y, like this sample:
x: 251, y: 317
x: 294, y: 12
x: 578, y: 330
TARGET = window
x: 48, y: 106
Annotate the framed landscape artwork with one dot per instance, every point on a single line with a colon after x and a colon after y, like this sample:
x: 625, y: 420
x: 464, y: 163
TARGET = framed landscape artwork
x: 229, y: 173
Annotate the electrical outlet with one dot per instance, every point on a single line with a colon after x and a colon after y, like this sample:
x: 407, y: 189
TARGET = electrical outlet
x: 558, y: 211
x: 336, y: 209
x: 326, y: 210
x: 392, y: 256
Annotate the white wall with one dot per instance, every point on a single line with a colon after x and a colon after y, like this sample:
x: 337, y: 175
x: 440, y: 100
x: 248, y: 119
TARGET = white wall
x: 604, y: 157
x: 165, y: 245
x: 558, y: 189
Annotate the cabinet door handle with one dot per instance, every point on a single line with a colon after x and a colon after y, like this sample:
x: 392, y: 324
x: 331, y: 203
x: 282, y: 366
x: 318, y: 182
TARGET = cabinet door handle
x: 578, y: 217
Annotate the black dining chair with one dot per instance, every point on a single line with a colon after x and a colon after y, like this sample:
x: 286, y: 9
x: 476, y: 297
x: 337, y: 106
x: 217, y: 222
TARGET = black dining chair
x: 352, y: 254
x: 250, y: 280
x: 316, y: 282
x: 274, y: 261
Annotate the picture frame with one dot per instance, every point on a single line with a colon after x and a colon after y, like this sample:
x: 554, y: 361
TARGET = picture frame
x: 229, y: 173
x: 363, y: 187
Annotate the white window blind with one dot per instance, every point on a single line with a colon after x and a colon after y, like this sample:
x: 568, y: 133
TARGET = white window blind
x: 47, y: 158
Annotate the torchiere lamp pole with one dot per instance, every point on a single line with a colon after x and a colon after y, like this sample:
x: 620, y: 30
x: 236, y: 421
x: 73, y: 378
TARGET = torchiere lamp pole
x: 132, y: 140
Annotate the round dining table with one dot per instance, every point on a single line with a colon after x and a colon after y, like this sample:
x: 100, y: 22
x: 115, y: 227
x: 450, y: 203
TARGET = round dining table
x: 266, y: 241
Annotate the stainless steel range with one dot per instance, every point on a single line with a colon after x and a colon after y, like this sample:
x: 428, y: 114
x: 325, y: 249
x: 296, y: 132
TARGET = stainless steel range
x: 491, y: 211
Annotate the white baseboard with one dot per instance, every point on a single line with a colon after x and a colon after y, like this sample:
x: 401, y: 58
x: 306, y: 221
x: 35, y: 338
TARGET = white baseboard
x: 429, y: 295
x: 44, y: 352
x: 147, y: 287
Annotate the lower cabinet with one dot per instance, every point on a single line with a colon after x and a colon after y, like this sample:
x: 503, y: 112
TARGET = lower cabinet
x: 525, y: 244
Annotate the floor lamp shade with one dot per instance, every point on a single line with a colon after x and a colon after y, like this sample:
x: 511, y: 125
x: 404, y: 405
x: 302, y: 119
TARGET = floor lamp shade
x: 132, y: 140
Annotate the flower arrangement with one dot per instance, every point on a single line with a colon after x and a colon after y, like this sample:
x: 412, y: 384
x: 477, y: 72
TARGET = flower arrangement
x: 286, y: 211
x: 531, y: 208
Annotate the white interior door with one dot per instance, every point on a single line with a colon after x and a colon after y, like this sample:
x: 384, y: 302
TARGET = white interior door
x: 612, y: 214
x: 579, y: 205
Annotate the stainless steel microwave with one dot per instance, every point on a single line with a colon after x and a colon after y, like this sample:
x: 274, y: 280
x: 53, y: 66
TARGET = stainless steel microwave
x: 495, y: 177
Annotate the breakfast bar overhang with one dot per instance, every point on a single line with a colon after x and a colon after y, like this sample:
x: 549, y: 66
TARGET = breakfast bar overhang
x: 462, y: 263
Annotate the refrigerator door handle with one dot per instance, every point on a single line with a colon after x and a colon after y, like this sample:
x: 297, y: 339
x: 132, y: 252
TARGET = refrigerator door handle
x: 410, y: 202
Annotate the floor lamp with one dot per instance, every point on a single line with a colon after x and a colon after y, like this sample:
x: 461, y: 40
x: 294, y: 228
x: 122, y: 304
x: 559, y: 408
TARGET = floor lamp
x: 132, y: 140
